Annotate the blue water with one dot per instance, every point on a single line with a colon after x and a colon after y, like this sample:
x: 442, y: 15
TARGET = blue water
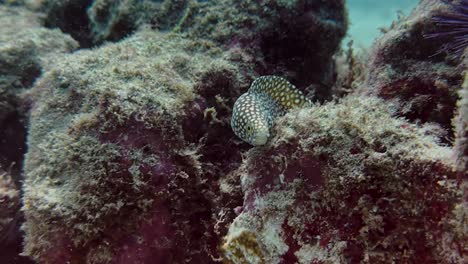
x: 367, y: 16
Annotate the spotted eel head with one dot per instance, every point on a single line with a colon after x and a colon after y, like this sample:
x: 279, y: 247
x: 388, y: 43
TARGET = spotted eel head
x: 249, y: 121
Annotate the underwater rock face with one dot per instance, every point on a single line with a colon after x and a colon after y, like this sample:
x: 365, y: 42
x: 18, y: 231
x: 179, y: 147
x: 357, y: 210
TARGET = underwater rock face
x: 460, y: 124
x: 117, y: 140
x: 113, y: 20
x: 26, y: 49
x: 92, y: 22
x: 67, y: 15
x: 347, y: 183
x: 131, y: 158
x: 406, y: 70
x: 295, y: 39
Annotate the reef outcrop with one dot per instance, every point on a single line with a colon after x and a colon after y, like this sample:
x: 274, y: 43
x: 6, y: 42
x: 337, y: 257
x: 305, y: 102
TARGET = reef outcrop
x: 294, y: 39
x: 26, y: 49
x: 347, y: 183
x: 114, y: 166
x: 407, y: 69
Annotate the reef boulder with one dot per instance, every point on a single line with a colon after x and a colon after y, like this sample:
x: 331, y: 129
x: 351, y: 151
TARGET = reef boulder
x: 347, y: 183
x: 407, y: 70
x: 116, y: 141
x: 295, y: 39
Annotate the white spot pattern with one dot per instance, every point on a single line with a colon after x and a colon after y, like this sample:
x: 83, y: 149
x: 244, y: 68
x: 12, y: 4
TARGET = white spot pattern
x: 254, y: 112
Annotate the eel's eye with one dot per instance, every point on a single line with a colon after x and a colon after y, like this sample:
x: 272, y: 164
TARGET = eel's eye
x: 249, y: 128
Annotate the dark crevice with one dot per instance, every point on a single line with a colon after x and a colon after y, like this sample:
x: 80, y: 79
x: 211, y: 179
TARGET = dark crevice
x: 121, y: 30
x: 301, y: 47
x: 12, y: 149
x: 13, y: 144
x: 72, y: 19
x: 11, y: 242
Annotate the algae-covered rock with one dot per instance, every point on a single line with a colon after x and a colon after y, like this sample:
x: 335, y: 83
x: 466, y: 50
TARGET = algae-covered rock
x: 112, y: 20
x: 10, y: 221
x: 131, y: 158
x: 11, y: 218
x: 347, y: 183
x: 295, y: 39
x: 130, y: 153
x: 460, y: 123
x: 94, y: 21
x: 26, y: 49
x: 67, y: 15
x: 25, y: 46
x: 407, y: 70
x: 116, y: 138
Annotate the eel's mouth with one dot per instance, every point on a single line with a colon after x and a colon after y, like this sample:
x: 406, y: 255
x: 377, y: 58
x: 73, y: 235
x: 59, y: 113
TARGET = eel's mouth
x: 261, y: 137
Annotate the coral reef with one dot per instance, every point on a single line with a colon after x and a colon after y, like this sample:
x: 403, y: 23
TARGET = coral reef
x: 346, y: 183
x: 130, y: 153
x: 406, y: 70
x: 131, y: 157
